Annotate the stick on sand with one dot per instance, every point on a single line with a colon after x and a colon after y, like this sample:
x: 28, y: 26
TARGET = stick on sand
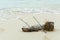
x: 37, y: 21
x: 25, y: 22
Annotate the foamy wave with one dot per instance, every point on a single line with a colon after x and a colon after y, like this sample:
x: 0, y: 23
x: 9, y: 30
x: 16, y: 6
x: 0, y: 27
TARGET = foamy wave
x: 12, y: 13
x: 28, y: 10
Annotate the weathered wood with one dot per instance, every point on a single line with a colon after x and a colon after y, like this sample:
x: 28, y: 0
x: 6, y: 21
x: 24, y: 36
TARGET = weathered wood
x: 25, y: 29
x: 31, y: 29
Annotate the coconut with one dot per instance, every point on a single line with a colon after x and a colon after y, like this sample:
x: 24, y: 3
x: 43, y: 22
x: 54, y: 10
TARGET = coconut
x: 49, y: 26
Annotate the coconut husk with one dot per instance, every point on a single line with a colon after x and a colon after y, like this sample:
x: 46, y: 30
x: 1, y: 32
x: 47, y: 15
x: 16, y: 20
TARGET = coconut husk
x: 49, y: 26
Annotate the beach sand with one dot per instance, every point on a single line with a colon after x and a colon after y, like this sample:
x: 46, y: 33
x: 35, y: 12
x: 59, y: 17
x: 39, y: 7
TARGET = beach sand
x: 10, y: 29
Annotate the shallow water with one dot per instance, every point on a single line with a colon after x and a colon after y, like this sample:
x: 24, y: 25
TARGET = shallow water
x: 49, y: 4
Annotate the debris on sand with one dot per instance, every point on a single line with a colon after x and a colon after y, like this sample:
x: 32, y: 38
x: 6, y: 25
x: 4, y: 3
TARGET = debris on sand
x: 49, y: 26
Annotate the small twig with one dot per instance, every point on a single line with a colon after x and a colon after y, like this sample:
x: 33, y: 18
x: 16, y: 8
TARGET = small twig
x: 37, y: 21
x: 25, y: 22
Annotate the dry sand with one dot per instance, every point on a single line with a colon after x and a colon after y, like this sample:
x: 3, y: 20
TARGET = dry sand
x: 11, y: 28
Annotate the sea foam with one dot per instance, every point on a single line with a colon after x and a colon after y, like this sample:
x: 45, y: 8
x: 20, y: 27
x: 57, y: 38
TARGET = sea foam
x: 12, y: 13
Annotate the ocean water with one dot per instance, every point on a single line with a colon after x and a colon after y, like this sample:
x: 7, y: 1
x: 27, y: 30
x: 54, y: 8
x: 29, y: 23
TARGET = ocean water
x: 31, y: 5
x: 10, y: 9
x: 49, y: 4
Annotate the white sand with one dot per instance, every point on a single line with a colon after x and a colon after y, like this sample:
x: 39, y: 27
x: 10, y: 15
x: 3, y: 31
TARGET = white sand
x: 10, y: 28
